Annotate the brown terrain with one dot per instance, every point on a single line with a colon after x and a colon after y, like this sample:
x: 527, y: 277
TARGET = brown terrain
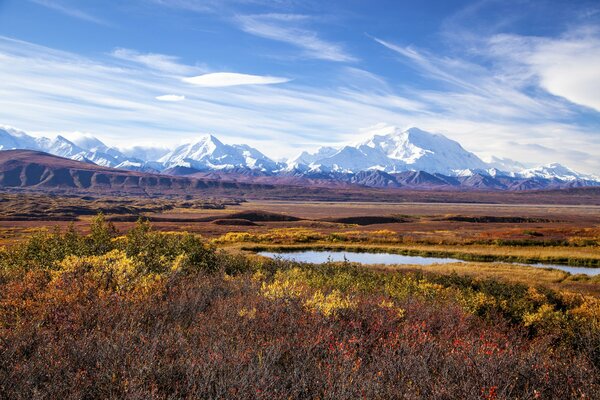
x: 212, y: 217
x: 25, y: 170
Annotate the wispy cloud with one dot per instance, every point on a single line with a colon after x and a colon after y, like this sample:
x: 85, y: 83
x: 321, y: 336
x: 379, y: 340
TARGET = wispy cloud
x: 224, y: 79
x: 170, y: 97
x: 434, y: 67
x: 70, y: 11
x: 288, y: 28
x: 217, y: 6
x: 477, y: 91
x: 192, y: 5
x: 568, y: 66
x: 516, y: 85
x: 160, y: 62
x: 117, y: 102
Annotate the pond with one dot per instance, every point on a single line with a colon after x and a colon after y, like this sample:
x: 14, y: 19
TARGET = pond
x: 318, y: 257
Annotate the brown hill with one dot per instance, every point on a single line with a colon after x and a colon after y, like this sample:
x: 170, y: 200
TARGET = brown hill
x: 32, y: 169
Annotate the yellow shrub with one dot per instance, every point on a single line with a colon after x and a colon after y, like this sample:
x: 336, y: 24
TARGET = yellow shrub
x: 401, y: 287
x: 476, y: 302
x: 258, y: 276
x: 285, y: 285
x: 391, y: 306
x: 535, y: 296
x: 113, y: 270
x: 329, y: 304
x: 546, y: 318
x: 386, y: 304
x: 588, y: 311
x: 234, y: 237
x: 248, y: 313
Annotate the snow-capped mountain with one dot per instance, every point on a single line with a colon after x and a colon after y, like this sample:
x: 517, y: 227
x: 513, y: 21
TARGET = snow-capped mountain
x: 60, y: 146
x: 146, y: 153
x: 101, y: 154
x: 387, y: 157
x: 394, y: 150
x: 82, y: 148
x: 305, y: 158
x: 11, y: 138
x: 505, y: 164
x: 553, y: 171
x: 210, y: 153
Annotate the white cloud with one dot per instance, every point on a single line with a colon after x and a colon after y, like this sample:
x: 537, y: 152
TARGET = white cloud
x: 224, y: 79
x: 160, y: 62
x: 476, y: 91
x: 70, y: 11
x: 285, y: 28
x: 568, y: 67
x: 170, y: 97
x: 116, y: 103
x: 192, y: 5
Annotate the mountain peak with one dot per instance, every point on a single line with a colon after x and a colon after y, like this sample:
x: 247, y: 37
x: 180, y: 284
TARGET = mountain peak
x: 88, y: 142
x: 387, y: 149
x: 209, y: 137
x: 61, y: 138
x: 210, y: 153
x: 553, y: 171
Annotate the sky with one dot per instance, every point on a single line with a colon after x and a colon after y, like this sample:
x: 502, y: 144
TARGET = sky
x: 514, y: 78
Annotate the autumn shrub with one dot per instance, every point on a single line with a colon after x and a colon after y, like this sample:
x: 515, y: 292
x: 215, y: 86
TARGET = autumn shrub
x: 165, y: 315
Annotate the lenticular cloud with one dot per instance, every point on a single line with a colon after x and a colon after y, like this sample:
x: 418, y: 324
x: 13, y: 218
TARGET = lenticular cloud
x: 170, y: 97
x: 221, y: 79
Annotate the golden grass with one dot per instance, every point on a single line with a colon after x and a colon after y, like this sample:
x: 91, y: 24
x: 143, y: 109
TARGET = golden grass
x: 532, y: 276
x: 534, y: 252
x: 508, y: 272
x: 584, y: 256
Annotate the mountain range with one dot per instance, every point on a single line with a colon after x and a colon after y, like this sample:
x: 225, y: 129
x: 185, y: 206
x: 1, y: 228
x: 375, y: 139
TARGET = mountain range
x: 388, y: 157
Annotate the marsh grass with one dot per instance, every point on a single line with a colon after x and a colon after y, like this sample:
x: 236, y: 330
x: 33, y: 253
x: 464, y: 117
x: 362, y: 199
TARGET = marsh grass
x: 306, y: 240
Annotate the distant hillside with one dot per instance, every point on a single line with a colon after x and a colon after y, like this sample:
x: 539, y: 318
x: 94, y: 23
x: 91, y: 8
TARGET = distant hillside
x: 34, y: 169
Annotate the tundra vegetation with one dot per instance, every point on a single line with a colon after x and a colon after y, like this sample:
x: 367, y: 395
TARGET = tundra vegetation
x: 150, y: 314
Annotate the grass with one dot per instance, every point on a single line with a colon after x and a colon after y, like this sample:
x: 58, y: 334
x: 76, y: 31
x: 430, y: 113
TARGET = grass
x: 553, y: 278
x: 586, y: 256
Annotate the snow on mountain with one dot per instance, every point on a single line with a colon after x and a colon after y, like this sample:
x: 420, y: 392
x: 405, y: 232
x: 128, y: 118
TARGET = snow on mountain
x: 306, y: 158
x: 352, y: 159
x: 146, y: 153
x: 60, y: 146
x: 393, y: 150
x: 82, y: 148
x: 254, y: 159
x: 88, y: 142
x: 387, y: 150
x: 101, y: 154
x: 210, y: 153
x: 505, y: 164
x: 554, y: 171
x: 11, y: 138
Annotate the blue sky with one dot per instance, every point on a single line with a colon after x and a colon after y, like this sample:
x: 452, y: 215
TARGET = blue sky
x: 516, y: 79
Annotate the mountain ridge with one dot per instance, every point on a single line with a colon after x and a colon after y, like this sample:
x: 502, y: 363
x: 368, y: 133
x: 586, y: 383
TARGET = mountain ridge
x: 388, y: 157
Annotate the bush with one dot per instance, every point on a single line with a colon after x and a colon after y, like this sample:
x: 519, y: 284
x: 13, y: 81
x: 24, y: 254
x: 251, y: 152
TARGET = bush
x: 165, y: 315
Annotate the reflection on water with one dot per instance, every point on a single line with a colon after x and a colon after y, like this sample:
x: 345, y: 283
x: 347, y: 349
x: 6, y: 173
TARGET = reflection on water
x: 318, y: 257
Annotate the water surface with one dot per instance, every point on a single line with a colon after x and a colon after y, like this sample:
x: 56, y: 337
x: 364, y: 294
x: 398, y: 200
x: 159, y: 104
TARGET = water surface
x: 317, y: 257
